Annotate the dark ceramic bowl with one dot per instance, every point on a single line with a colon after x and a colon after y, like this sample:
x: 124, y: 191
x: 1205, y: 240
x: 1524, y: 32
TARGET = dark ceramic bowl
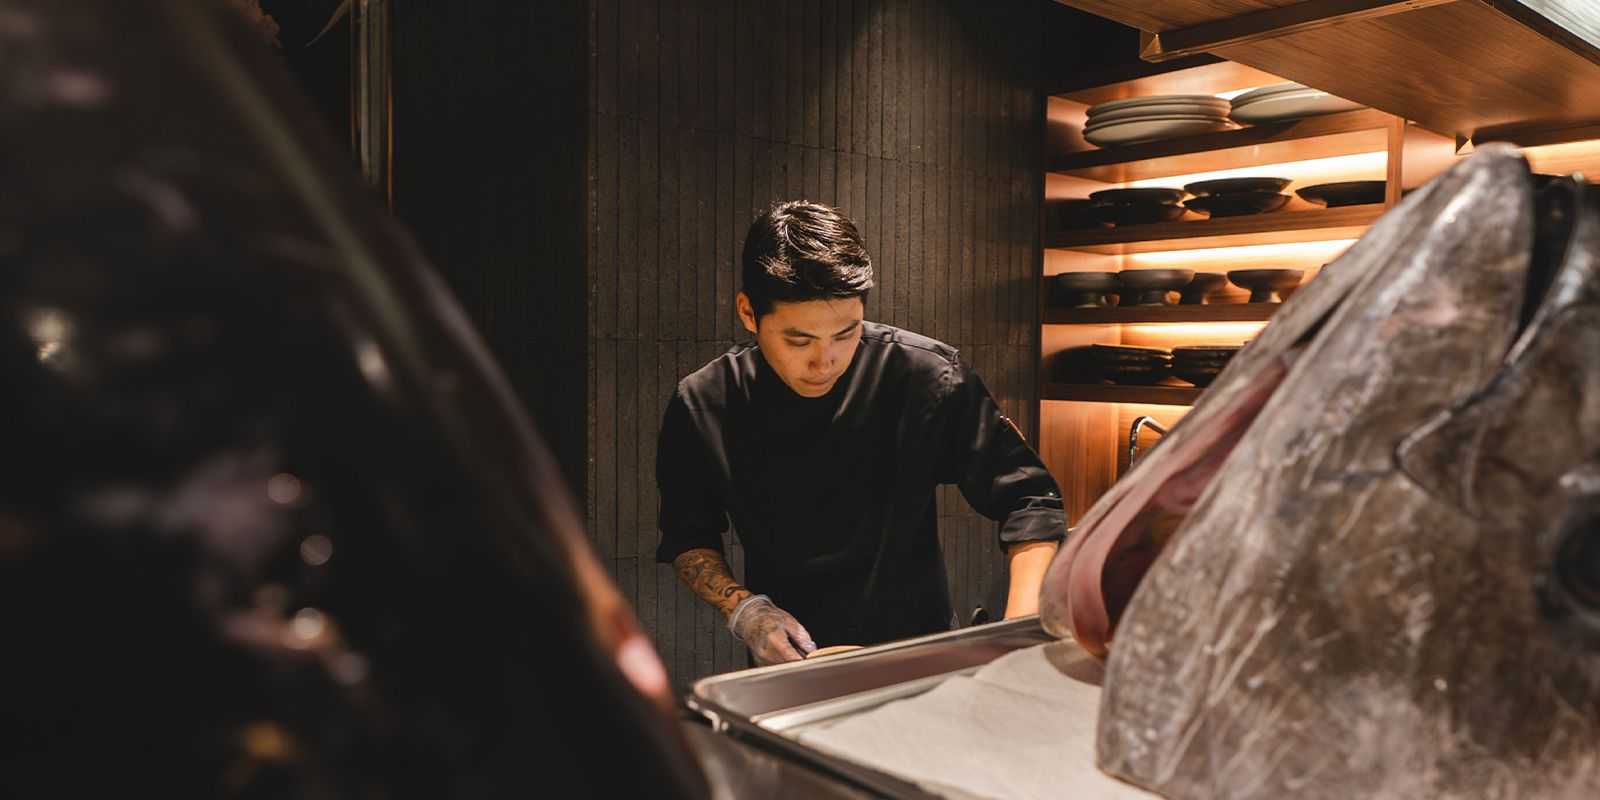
x: 1120, y: 354
x: 1097, y: 362
x: 1238, y: 204
x: 1235, y: 185
x: 1206, y: 350
x: 1201, y: 287
x: 1151, y: 286
x: 1146, y: 196
x: 1139, y: 376
x: 1136, y: 214
x: 1082, y: 289
x: 1199, y: 376
x: 1343, y: 193
x: 1070, y: 214
x: 1266, y: 285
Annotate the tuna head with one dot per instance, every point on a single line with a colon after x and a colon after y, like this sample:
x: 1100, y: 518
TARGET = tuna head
x: 272, y: 522
x: 1383, y: 579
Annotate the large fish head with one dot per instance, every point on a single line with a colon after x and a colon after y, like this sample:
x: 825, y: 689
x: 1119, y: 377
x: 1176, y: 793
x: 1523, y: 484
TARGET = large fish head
x: 272, y: 522
x: 1388, y: 586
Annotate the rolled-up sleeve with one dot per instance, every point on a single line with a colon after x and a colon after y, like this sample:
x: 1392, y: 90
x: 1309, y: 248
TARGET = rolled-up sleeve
x: 693, y: 513
x: 999, y: 474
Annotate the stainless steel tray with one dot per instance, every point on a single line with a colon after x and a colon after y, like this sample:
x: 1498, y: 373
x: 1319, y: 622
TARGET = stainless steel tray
x: 766, y: 705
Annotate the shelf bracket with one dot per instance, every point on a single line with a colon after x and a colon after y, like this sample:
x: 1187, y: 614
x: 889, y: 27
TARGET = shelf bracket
x: 1268, y: 24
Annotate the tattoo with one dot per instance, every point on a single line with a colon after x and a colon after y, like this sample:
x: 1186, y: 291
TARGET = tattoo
x: 706, y: 573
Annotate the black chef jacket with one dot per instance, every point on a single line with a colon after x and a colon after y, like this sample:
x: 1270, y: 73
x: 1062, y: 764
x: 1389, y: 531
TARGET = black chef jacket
x: 833, y: 497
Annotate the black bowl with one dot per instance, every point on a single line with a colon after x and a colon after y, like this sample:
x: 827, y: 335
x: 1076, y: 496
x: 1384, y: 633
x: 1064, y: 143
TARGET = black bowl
x: 1238, y: 204
x: 1150, y: 286
x: 1266, y: 285
x: 1235, y: 185
x: 1136, y: 214
x: 1126, y: 355
x: 1343, y: 193
x: 1223, y: 351
x: 1147, y: 196
x: 1139, y: 376
x: 1204, y: 285
x: 1199, y: 376
x: 1099, y: 361
x: 1082, y: 289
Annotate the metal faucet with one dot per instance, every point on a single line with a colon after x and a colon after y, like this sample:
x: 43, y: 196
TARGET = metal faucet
x: 1140, y: 423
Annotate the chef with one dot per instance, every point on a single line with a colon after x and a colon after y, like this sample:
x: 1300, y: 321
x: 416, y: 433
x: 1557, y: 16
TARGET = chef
x: 823, y: 442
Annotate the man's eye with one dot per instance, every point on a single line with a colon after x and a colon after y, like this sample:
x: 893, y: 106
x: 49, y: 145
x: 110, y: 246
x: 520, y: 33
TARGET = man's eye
x: 799, y: 342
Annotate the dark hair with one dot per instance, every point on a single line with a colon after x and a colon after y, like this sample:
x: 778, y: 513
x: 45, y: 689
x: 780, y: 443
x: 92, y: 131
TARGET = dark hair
x: 800, y: 251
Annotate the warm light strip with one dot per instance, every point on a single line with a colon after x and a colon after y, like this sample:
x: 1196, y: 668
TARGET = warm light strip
x: 1358, y: 166
x: 1326, y: 251
x: 1567, y: 157
x: 1219, y: 331
x: 1157, y: 411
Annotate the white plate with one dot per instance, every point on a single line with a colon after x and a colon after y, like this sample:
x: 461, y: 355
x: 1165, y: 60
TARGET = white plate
x: 1142, y: 130
x: 1292, y: 105
x: 1268, y: 91
x: 1134, y: 102
x: 1095, y: 126
x: 1163, y: 110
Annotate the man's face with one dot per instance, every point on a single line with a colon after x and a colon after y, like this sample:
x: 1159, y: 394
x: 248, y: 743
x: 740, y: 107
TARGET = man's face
x: 810, y: 343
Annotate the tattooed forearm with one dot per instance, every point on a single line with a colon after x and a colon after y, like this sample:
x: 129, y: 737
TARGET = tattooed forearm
x: 706, y: 573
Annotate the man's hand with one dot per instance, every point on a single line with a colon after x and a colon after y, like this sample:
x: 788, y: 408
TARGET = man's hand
x: 1028, y: 562
x: 773, y: 635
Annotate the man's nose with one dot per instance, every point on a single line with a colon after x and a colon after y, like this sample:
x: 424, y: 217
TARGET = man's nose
x: 822, y: 358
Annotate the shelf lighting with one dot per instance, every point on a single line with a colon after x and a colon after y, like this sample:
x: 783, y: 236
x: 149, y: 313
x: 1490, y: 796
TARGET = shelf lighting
x: 1308, y: 252
x: 1358, y: 166
x: 1170, y: 334
x: 1565, y: 158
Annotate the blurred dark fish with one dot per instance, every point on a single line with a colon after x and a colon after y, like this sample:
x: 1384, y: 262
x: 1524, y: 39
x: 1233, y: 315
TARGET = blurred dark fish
x: 271, y: 521
x: 1384, y: 573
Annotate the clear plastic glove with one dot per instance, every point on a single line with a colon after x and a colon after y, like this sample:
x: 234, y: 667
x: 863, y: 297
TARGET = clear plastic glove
x: 772, y: 634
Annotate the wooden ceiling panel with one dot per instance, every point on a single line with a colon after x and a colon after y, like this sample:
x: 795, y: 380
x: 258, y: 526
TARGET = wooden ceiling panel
x: 1453, y: 68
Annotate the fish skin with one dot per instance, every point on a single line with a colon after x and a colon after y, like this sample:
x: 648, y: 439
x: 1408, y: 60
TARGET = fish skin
x: 1256, y: 368
x: 1358, y: 603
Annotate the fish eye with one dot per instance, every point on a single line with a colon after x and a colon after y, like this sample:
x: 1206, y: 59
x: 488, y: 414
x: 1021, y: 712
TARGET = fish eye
x: 1567, y: 584
x: 1577, y: 559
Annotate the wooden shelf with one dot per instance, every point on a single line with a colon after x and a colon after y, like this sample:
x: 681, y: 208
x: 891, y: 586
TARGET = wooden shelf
x: 1112, y: 393
x: 1131, y: 74
x: 1210, y: 76
x: 1219, y: 312
x: 1342, y: 134
x: 1279, y: 227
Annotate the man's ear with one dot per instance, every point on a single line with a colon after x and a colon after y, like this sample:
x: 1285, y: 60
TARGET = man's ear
x: 747, y: 312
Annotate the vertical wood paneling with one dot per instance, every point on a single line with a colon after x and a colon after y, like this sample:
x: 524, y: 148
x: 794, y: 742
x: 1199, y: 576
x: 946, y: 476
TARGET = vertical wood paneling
x: 626, y: 268
x: 627, y: 450
x: 725, y: 229
x: 861, y: 100
x: 705, y: 230
x: 605, y: 487
x: 913, y: 117
x: 844, y: 61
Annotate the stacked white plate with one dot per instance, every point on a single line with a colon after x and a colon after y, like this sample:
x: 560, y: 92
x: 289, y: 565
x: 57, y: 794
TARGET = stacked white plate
x: 1143, y: 119
x: 1284, y: 101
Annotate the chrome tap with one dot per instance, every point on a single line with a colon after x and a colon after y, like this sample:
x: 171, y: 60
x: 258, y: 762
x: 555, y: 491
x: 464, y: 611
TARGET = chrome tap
x: 1140, y: 423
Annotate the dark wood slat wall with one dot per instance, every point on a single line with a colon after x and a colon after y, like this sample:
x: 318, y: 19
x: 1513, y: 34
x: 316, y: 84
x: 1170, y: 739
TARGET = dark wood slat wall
x: 919, y: 118
x: 490, y: 178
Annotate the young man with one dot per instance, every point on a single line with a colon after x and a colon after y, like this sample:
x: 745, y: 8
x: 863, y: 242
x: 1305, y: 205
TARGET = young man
x: 824, y: 441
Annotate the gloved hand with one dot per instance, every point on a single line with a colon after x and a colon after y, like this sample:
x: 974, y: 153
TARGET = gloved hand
x: 772, y: 634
